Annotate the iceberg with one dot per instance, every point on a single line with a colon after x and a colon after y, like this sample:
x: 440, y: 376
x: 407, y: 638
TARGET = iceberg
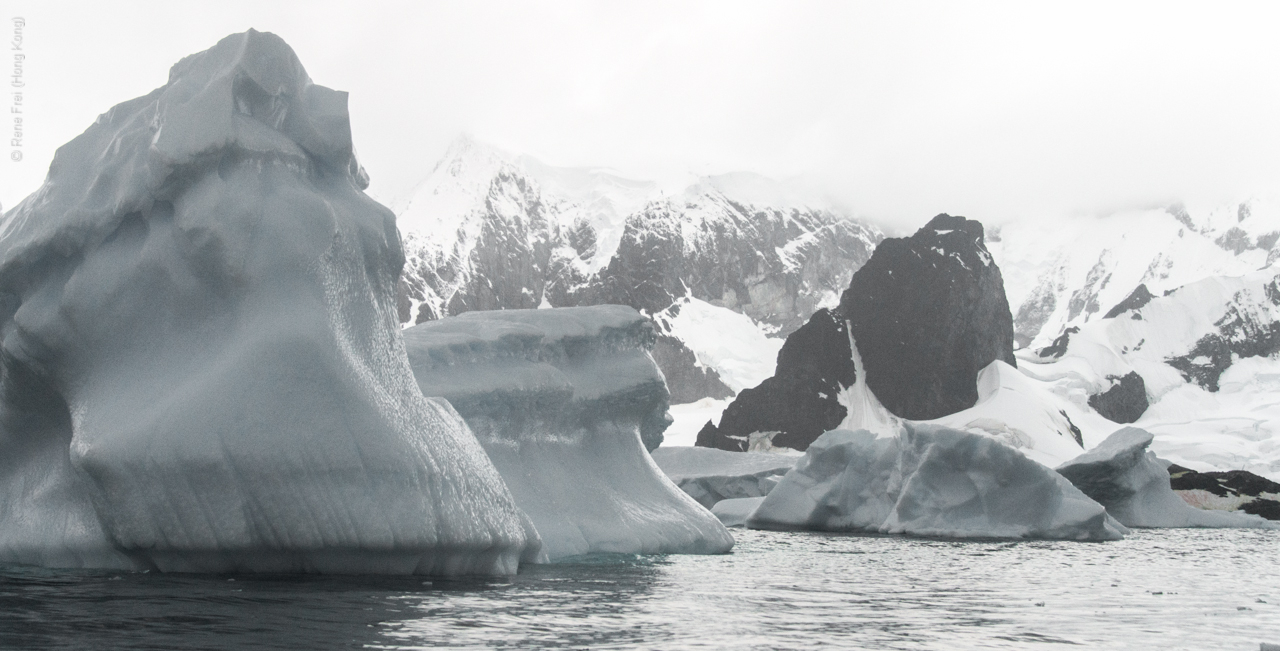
x: 735, y: 512
x: 565, y: 402
x: 202, y: 364
x: 710, y: 475
x: 1126, y: 478
x: 930, y: 480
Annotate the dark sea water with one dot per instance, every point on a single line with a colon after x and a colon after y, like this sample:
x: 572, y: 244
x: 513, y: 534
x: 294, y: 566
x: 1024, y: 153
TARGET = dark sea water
x: 1157, y: 589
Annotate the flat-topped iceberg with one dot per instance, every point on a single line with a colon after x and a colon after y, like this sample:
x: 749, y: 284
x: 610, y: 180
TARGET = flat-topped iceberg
x: 1128, y: 479
x: 710, y: 475
x: 202, y: 364
x: 929, y: 480
x: 565, y: 401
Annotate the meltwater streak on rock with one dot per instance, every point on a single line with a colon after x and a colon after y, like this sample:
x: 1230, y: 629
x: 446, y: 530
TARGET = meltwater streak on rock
x: 927, y: 313
x: 202, y: 364
x: 565, y: 401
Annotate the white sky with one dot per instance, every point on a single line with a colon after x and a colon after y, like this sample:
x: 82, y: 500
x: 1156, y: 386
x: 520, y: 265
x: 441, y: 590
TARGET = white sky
x: 901, y: 110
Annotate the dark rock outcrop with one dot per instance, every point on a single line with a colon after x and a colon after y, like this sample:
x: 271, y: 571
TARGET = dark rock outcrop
x: 1240, y: 334
x: 799, y: 401
x: 688, y: 380
x: 1140, y: 297
x: 927, y: 313
x: 773, y: 264
x: 1059, y: 346
x: 1231, y: 483
x: 1125, y: 401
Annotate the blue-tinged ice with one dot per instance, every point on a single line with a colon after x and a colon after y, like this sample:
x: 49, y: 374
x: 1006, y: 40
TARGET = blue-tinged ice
x: 566, y: 401
x: 1128, y: 479
x: 202, y: 368
x: 930, y: 480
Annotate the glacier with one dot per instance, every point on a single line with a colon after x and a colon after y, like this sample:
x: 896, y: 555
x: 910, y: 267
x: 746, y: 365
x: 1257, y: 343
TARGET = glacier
x: 203, y: 369
x: 930, y: 480
x: 565, y: 401
x: 1128, y: 479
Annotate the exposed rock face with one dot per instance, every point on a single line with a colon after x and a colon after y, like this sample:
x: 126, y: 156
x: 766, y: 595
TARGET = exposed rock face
x: 688, y: 380
x: 927, y: 314
x: 1125, y: 401
x: 1248, y: 328
x: 1140, y: 296
x: 1254, y: 494
x: 487, y: 231
x: 1068, y: 272
x: 565, y: 402
x: 1059, y: 346
x: 799, y: 402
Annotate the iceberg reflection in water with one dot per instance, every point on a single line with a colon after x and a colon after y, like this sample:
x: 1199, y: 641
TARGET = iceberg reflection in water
x: 1177, y: 588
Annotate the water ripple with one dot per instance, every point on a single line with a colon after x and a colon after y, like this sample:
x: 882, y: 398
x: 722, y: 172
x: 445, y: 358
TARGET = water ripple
x: 1157, y: 589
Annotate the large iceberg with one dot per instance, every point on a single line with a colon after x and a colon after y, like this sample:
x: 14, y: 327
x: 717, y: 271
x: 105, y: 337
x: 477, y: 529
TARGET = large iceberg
x: 930, y: 480
x: 1126, y: 478
x: 202, y: 365
x: 565, y: 401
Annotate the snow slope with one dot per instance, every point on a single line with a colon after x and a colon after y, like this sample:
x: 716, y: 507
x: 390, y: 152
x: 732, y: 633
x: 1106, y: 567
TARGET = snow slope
x: 490, y: 230
x: 1207, y: 353
x: 1070, y: 271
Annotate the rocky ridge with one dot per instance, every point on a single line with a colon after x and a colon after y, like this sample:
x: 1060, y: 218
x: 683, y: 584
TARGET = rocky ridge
x: 490, y: 231
x: 926, y: 314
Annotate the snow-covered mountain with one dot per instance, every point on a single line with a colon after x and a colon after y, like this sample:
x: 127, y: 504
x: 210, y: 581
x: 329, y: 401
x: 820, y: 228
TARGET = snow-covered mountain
x: 1068, y: 272
x: 490, y: 230
x: 1207, y: 357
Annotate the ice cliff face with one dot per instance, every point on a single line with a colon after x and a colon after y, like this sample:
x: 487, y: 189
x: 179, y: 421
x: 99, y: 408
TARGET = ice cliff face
x: 202, y: 365
x: 490, y: 231
x: 565, y: 401
x: 926, y: 314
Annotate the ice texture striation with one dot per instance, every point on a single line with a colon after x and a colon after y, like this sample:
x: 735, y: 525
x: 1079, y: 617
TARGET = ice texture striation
x: 930, y: 480
x: 202, y: 365
x: 1126, y: 478
x: 565, y: 401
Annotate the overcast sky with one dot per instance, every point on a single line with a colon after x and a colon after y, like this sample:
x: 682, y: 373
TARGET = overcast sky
x: 901, y: 110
